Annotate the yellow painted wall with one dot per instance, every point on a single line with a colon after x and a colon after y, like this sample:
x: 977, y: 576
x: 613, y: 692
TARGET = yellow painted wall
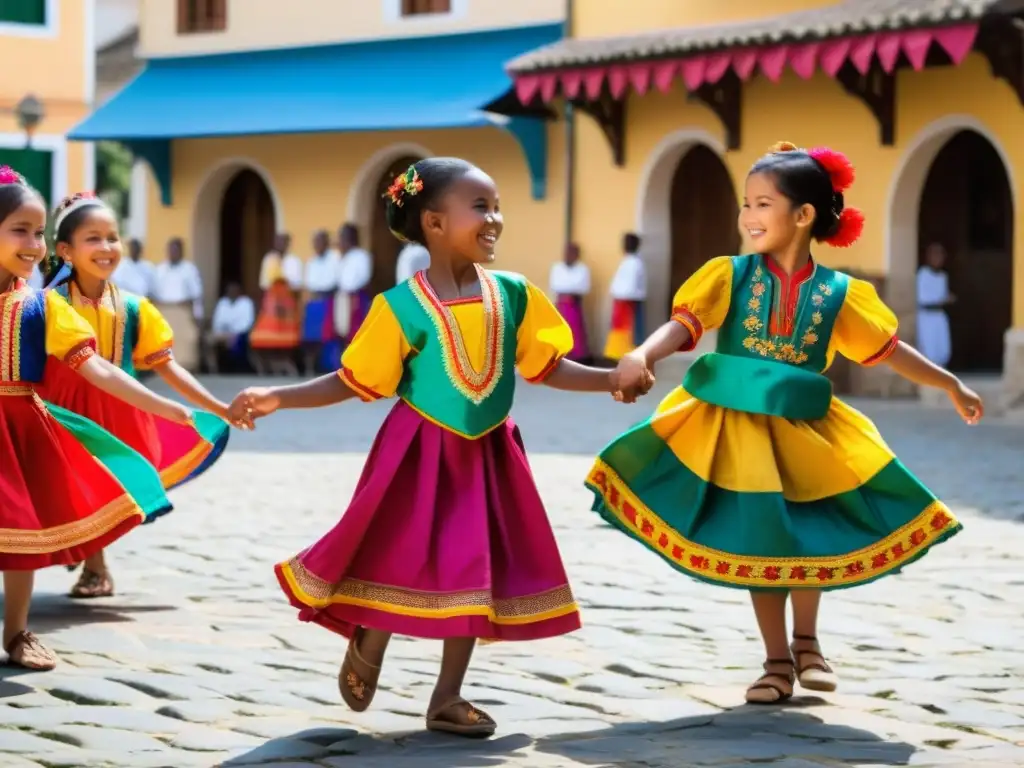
x: 592, y: 19
x: 259, y: 24
x: 808, y: 113
x: 313, y: 177
x: 54, y: 70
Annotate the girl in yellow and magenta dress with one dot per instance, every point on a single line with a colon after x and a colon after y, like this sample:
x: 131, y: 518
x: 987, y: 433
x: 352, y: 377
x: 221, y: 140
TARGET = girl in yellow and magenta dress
x: 67, y: 487
x: 133, y: 335
x: 752, y: 475
x: 446, y: 536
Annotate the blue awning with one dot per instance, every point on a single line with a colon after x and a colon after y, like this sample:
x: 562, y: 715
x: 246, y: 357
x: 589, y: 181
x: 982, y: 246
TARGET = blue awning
x: 411, y: 83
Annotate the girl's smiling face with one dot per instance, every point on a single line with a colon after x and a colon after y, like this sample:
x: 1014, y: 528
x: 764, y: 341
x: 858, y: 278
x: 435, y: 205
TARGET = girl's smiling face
x: 768, y: 219
x: 470, y: 219
x: 22, y: 241
x: 95, y: 248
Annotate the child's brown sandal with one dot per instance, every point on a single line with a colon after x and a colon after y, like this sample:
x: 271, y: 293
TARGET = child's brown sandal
x: 91, y: 585
x: 769, y: 688
x: 357, y: 687
x: 816, y: 674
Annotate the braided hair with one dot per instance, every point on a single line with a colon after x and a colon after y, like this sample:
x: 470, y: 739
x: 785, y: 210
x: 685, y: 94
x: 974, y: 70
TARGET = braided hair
x: 419, y: 189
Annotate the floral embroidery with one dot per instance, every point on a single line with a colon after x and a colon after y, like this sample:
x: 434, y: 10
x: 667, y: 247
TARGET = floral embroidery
x: 933, y: 523
x: 776, y: 347
x: 475, y: 386
x: 110, y: 300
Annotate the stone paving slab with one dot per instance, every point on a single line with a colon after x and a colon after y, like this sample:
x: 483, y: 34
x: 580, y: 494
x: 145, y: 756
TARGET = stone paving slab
x: 198, y: 661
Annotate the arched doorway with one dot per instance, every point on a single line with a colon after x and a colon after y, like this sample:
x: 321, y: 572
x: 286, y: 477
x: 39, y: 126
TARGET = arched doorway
x: 703, y: 209
x: 966, y: 205
x: 383, y: 245
x: 246, y: 231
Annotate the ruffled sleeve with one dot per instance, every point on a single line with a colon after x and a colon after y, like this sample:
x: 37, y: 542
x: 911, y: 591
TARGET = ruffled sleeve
x: 702, y: 302
x: 865, y: 330
x: 156, y: 339
x: 69, y: 336
x: 373, y: 363
x: 543, y: 339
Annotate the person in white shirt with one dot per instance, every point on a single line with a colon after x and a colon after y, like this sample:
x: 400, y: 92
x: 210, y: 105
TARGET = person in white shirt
x: 933, y: 299
x: 233, y: 318
x: 277, y: 333
x: 321, y: 283
x: 629, y: 292
x: 135, y: 274
x: 570, y: 282
x: 355, y: 270
x: 178, y: 294
x: 412, y: 258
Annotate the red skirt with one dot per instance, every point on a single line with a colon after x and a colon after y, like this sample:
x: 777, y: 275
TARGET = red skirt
x: 178, y: 452
x: 58, y: 503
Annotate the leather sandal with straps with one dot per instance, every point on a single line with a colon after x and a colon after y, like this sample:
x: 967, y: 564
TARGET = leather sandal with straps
x: 461, y: 718
x: 26, y: 651
x: 92, y: 585
x: 815, y: 674
x: 773, y: 687
x: 357, y: 678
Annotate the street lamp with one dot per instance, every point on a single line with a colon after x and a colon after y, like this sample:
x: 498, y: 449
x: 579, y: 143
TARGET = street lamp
x: 30, y: 113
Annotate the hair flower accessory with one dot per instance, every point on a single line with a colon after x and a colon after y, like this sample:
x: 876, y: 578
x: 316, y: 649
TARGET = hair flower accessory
x: 406, y: 184
x: 837, y: 165
x: 784, y: 146
x: 851, y: 227
x: 10, y: 176
x: 72, y: 203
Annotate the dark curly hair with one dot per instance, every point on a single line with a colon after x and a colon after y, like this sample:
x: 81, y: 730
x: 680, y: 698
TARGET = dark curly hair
x: 405, y: 207
x: 804, y: 181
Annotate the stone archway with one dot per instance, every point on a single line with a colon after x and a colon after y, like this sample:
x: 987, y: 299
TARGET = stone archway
x: 933, y: 154
x: 242, y: 186
x: 366, y: 208
x: 673, y: 183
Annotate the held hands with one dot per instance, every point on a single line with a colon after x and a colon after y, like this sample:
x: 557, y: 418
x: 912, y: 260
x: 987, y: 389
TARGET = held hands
x: 967, y: 403
x: 632, y: 378
x: 253, y: 403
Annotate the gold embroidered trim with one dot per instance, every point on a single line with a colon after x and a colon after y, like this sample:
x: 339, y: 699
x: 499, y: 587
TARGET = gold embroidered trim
x: 781, y: 348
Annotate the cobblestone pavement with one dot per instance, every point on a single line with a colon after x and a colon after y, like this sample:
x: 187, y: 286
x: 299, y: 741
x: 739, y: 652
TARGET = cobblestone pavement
x: 199, y: 662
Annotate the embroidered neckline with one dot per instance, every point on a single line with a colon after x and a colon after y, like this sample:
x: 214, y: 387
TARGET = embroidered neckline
x: 475, y: 386
x: 17, y: 285
x: 110, y: 299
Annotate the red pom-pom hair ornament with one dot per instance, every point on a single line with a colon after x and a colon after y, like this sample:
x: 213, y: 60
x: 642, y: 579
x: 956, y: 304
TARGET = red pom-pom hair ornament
x: 851, y: 226
x: 837, y: 165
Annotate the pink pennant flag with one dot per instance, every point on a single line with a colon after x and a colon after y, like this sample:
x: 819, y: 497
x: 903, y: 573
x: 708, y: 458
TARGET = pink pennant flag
x: 957, y: 41
x: 593, y: 79
x: 773, y: 61
x: 915, y: 44
x: 889, y: 50
x: 618, y: 80
x: 526, y: 87
x: 665, y: 74
x: 572, y: 81
x: 804, y: 58
x: 743, y: 63
x: 718, y: 65
x: 693, y: 72
x: 861, y: 52
x: 640, y: 77
x: 834, y: 54
x: 548, y: 86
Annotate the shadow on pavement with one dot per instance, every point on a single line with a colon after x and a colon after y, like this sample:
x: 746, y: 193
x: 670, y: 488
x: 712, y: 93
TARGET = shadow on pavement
x: 51, y: 612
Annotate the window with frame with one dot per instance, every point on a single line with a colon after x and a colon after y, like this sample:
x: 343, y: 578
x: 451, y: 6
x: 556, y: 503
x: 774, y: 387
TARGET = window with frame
x: 424, y: 7
x: 23, y: 12
x: 201, y: 16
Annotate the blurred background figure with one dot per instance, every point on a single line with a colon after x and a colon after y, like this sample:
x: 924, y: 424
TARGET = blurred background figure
x: 227, y: 343
x: 933, y: 298
x: 570, y: 283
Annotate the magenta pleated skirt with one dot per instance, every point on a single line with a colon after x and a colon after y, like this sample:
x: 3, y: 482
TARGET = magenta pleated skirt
x: 444, y: 537
x: 570, y: 307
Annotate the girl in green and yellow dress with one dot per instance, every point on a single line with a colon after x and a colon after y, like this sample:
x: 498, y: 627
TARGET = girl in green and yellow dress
x: 752, y: 475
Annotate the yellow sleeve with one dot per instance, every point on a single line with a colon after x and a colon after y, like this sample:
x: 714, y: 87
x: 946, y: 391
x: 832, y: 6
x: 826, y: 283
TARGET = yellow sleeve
x: 543, y: 339
x: 865, y: 330
x: 373, y: 363
x: 702, y: 302
x: 69, y: 336
x: 156, y: 339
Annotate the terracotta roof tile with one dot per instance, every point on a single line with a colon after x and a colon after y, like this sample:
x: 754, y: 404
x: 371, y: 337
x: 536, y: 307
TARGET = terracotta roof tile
x: 850, y: 17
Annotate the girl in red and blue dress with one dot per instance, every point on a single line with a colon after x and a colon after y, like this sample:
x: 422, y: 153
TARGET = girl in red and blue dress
x: 132, y: 335
x: 68, y: 488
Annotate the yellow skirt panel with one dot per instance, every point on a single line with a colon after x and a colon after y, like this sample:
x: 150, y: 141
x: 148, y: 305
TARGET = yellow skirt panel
x: 751, y: 453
